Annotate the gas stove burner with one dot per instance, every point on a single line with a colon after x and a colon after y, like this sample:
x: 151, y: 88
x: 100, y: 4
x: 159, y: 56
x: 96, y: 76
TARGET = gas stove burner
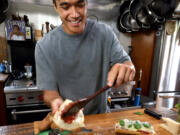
x: 22, y: 83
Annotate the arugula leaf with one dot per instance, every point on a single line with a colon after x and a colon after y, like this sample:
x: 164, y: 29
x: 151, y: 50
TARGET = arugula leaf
x: 137, y: 125
x: 138, y: 113
x: 121, y: 122
x: 129, y: 126
x: 147, y: 125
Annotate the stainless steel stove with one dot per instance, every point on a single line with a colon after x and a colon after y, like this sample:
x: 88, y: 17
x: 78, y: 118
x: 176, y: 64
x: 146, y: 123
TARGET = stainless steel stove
x: 22, y: 92
x: 24, y: 101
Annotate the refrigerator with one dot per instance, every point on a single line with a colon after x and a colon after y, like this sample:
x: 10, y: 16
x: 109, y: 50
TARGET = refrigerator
x: 165, y: 79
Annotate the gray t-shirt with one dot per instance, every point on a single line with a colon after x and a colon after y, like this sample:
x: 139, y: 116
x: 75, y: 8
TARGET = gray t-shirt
x: 77, y: 65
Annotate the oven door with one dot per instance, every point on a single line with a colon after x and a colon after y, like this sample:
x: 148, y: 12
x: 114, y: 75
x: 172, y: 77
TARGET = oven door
x: 26, y: 113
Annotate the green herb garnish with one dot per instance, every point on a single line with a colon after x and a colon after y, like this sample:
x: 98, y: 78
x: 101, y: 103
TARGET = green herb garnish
x: 129, y: 126
x: 147, y: 125
x: 138, y: 113
x: 121, y: 122
x: 137, y: 125
x: 178, y: 107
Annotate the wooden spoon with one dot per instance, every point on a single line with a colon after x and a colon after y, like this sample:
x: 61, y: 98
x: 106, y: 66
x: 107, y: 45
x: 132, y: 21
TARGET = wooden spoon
x: 74, y: 107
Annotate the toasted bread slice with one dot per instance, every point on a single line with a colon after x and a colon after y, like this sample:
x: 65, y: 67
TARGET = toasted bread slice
x: 130, y: 127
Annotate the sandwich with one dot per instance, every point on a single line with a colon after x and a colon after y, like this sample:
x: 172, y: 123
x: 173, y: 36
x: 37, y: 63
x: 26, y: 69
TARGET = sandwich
x: 57, y: 122
x: 74, y: 125
x: 133, y: 127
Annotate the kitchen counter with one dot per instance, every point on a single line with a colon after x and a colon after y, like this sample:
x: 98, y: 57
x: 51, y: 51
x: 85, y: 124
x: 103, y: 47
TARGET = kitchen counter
x: 99, y: 123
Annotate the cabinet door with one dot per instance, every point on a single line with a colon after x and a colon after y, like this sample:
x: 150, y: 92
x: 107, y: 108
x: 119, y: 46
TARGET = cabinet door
x: 2, y: 106
x: 3, y: 50
x: 143, y: 43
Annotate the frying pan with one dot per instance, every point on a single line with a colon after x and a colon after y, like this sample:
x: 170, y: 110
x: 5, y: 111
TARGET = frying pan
x: 119, y: 27
x: 133, y: 23
x: 134, y: 8
x: 3, y: 6
x: 141, y: 12
x: 123, y: 7
x: 128, y: 23
x: 124, y: 21
x: 145, y: 17
x: 163, y: 8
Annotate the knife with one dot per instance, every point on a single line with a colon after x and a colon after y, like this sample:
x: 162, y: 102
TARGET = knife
x: 153, y: 113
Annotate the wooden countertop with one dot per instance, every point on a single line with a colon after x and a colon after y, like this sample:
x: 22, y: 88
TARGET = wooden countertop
x: 3, y: 77
x: 99, y: 123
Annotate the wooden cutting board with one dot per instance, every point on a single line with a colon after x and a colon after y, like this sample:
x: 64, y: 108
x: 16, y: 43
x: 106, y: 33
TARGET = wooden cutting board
x: 104, y: 123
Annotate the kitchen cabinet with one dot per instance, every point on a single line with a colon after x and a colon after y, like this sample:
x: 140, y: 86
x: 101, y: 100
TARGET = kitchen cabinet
x: 3, y: 49
x: 143, y: 44
x: 3, y: 78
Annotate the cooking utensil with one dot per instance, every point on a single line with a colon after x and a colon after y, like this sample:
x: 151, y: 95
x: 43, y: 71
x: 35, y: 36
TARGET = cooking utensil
x: 133, y: 23
x: 134, y: 7
x: 153, y: 113
x: 123, y: 7
x: 163, y: 8
x: 81, y: 103
x: 119, y: 27
x: 144, y: 16
x: 124, y: 21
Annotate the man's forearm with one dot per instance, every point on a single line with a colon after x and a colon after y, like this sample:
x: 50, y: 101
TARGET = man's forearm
x: 50, y: 95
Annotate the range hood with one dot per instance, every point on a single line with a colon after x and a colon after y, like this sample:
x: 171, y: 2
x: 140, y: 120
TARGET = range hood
x: 103, y: 9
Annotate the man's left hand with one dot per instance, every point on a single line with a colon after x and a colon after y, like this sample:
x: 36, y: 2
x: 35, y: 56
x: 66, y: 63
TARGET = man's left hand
x: 121, y: 73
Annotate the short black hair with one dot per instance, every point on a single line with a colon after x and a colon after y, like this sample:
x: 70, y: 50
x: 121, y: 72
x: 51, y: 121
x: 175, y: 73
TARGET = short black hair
x: 54, y: 2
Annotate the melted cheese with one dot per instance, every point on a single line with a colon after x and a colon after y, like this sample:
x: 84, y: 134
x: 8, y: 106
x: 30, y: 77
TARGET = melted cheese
x: 76, y: 123
x: 132, y: 128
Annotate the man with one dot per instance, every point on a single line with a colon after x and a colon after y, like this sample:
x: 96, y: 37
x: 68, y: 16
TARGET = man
x: 78, y: 58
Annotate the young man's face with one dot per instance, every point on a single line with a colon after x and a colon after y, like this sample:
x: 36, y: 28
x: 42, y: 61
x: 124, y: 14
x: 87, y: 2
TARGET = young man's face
x: 73, y: 15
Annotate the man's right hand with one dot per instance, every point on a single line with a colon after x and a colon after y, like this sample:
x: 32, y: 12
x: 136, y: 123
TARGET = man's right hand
x: 52, y: 99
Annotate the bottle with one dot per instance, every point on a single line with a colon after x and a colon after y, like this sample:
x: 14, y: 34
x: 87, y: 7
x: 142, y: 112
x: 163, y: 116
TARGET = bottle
x: 137, y: 97
x: 29, y: 35
x: 138, y: 90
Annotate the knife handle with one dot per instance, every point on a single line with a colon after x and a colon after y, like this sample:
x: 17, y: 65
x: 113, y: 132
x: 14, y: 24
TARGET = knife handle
x: 152, y: 113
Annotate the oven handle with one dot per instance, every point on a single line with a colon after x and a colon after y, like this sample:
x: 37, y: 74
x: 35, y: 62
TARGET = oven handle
x: 14, y: 112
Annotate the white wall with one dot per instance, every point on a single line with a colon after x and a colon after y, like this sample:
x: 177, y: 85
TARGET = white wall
x: 2, y: 30
x: 125, y: 39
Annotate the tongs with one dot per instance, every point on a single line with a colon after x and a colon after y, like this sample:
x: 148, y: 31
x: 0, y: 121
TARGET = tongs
x: 73, y: 108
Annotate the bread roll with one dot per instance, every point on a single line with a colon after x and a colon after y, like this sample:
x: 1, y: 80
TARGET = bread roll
x: 76, y: 124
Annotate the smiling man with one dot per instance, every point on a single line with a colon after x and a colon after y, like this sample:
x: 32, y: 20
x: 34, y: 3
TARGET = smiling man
x: 78, y: 58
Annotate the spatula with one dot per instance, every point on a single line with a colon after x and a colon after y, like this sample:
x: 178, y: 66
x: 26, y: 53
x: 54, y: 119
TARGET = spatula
x: 73, y: 108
